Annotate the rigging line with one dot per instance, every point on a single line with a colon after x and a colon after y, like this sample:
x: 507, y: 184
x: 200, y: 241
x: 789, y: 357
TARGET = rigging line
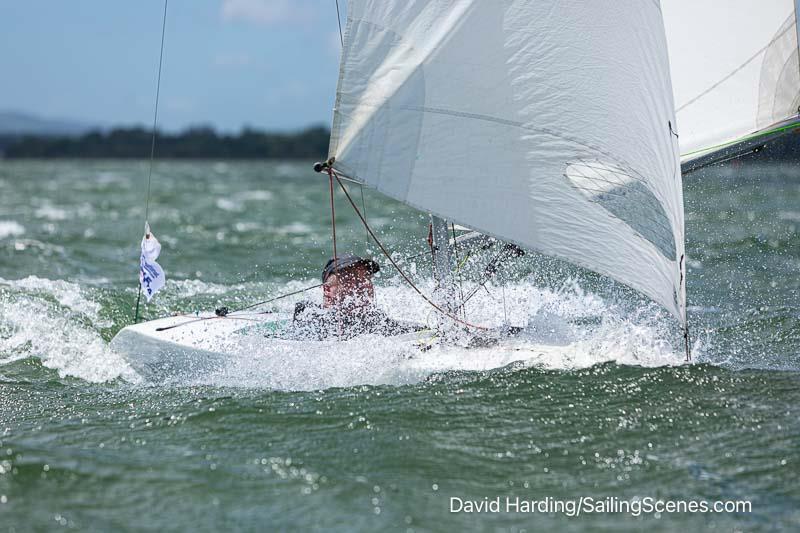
x: 432, y: 246
x: 333, y: 228
x: 335, y: 255
x: 364, y: 208
x: 458, y: 269
x: 155, y: 112
x: 733, y: 73
x: 737, y: 155
x: 152, y: 146
x: 339, y: 20
x: 293, y: 293
x: 232, y: 316
x: 487, y: 278
x: 618, y: 184
x: 203, y: 319
x: 386, y: 253
x: 489, y: 293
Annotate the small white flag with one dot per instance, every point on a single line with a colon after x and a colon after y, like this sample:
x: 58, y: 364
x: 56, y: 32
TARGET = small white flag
x: 151, y: 275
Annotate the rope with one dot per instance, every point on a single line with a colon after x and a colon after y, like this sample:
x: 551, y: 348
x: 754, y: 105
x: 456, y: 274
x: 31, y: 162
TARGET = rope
x: 737, y: 155
x: 203, y: 319
x: 152, y: 146
x: 293, y: 293
x: 458, y: 269
x: 279, y: 297
x: 230, y: 315
x: 388, y: 256
x: 339, y: 19
x: 486, y: 278
x: 733, y: 73
x: 155, y: 112
x: 333, y: 225
x: 363, y: 207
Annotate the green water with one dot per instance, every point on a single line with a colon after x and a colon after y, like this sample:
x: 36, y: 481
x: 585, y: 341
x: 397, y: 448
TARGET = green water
x: 277, y: 444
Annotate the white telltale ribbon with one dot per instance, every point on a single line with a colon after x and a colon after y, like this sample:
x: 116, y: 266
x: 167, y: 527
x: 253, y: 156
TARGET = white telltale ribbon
x: 151, y: 275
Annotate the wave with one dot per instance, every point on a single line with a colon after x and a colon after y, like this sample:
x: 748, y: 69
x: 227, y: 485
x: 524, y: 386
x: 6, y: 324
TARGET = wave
x: 56, y: 322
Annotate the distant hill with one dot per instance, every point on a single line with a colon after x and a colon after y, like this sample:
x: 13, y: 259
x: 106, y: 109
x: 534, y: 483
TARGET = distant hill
x: 199, y: 142
x: 16, y: 123
x: 27, y: 136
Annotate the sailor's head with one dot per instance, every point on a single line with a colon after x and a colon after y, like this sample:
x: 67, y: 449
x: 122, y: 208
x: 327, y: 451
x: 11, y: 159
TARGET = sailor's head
x: 347, y: 281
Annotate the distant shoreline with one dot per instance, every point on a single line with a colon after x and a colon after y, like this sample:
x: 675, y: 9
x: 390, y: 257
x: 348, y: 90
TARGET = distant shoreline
x: 205, y: 143
x: 193, y: 143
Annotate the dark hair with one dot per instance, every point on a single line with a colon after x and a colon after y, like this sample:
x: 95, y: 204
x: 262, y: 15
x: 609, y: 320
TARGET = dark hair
x: 348, y: 261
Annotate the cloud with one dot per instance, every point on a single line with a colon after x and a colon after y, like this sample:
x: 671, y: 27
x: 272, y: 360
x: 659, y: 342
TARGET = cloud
x: 266, y: 12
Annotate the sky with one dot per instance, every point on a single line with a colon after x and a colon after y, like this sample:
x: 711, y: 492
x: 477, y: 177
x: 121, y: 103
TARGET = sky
x: 269, y: 64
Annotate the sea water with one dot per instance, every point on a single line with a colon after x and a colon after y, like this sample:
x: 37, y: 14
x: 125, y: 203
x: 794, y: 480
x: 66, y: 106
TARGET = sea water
x: 378, y: 435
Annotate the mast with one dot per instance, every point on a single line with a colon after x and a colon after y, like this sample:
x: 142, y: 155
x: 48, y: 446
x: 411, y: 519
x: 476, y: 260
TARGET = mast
x: 443, y: 264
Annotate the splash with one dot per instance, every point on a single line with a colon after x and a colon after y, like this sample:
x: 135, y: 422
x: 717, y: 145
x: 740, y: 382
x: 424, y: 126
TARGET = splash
x: 562, y: 329
x: 56, y: 322
x: 566, y: 329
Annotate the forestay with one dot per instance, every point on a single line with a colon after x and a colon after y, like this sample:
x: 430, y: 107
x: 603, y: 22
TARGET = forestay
x: 543, y: 123
x: 735, y: 69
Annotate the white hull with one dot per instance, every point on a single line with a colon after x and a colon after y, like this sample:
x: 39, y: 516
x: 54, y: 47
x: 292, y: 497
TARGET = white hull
x: 192, y: 345
x: 199, y: 344
x: 244, y: 348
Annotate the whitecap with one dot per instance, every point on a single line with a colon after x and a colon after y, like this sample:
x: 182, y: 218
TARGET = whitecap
x: 10, y: 228
x: 50, y: 212
x: 254, y: 196
x: 293, y: 228
x: 227, y: 204
x: 243, y: 227
x: 67, y: 294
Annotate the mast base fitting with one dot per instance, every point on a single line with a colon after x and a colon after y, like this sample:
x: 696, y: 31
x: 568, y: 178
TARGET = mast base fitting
x: 319, y: 166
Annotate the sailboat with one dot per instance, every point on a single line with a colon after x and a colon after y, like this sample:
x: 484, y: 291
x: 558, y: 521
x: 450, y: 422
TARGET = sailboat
x: 548, y: 125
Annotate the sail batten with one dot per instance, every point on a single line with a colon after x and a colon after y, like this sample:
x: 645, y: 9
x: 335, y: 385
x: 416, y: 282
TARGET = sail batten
x: 546, y: 124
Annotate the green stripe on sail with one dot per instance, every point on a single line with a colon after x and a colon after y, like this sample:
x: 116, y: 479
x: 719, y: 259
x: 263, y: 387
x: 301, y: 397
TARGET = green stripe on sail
x: 748, y: 137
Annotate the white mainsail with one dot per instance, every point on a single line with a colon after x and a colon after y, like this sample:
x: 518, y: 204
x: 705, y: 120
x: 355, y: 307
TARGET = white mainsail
x: 546, y: 123
x: 735, y: 70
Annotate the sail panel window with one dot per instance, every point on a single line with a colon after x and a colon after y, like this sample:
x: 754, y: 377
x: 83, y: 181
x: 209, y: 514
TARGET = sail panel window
x: 626, y: 198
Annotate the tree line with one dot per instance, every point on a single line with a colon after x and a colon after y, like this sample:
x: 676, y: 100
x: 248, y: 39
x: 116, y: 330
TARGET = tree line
x: 198, y: 142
